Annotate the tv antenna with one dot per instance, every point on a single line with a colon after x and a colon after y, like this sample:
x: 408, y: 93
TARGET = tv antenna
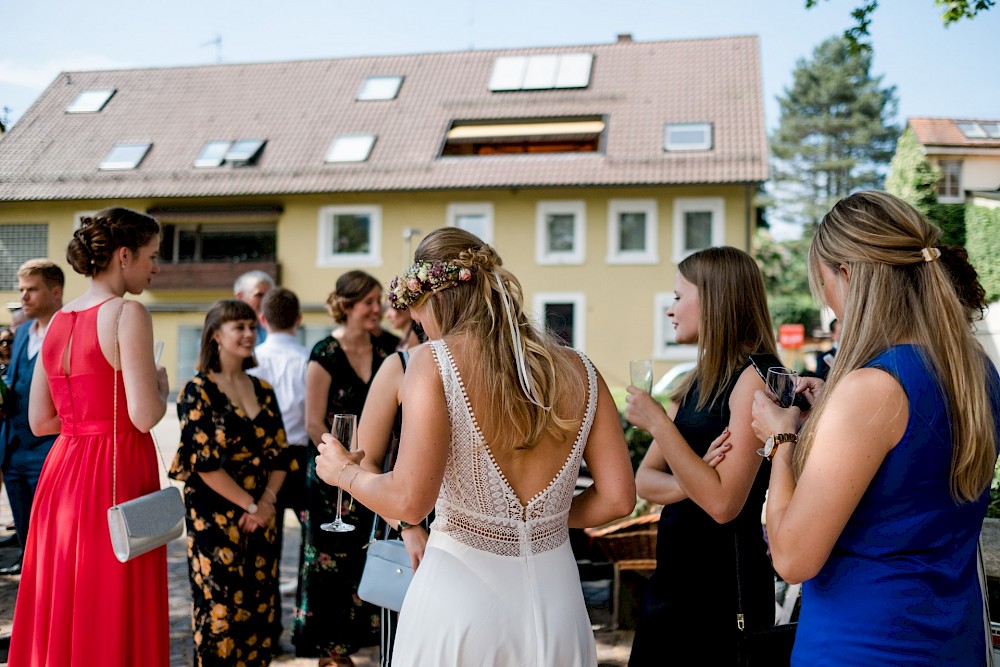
x: 218, y: 47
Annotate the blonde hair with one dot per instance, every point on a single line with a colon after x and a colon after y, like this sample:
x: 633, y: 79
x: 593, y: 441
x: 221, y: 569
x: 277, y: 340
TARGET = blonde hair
x: 476, y: 307
x: 881, y: 240
x: 735, y: 321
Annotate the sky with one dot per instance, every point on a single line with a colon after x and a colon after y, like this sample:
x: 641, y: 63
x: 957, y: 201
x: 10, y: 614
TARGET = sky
x: 937, y: 71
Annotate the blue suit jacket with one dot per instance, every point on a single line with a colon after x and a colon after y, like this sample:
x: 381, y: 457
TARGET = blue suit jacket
x: 16, y: 407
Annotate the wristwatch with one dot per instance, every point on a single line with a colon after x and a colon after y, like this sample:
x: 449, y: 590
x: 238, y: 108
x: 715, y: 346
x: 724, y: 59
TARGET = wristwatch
x: 772, y: 442
x: 403, y: 526
x: 252, y: 508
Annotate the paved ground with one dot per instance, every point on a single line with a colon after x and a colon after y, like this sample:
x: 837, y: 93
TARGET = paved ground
x: 613, y: 646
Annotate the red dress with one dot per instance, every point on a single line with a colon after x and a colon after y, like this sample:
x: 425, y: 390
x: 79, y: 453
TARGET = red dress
x: 77, y: 605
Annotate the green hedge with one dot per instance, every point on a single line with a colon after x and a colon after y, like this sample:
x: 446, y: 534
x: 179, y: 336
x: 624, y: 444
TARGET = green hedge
x: 951, y: 219
x: 982, y: 228
x: 798, y: 309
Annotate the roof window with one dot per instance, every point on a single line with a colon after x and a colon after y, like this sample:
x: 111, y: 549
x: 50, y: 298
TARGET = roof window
x: 568, y: 70
x: 213, y: 154
x: 992, y: 129
x: 90, y: 101
x: 244, y: 151
x: 527, y: 135
x: 350, y: 148
x: 687, y: 137
x: 379, y: 88
x: 125, y: 156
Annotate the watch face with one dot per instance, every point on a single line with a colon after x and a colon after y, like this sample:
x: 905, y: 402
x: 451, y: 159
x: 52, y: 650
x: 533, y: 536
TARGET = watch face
x: 768, y: 447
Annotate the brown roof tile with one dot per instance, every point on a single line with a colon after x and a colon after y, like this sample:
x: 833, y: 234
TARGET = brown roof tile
x: 945, y: 132
x: 299, y: 107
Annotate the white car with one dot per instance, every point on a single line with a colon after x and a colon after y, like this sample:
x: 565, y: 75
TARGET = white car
x: 670, y: 379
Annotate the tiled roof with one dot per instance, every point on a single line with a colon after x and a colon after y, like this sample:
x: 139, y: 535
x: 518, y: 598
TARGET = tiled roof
x: 299, y: 107
x: 945, y: 132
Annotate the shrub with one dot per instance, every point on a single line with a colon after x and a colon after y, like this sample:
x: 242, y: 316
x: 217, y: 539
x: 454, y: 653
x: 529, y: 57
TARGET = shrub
x: 983, y: 243
x: 951, y: 219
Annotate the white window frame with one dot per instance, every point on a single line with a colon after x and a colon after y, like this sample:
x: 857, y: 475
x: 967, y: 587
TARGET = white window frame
x: 579, y: 301
x: 578, y: 210
x: 325, y: 257
x: 948, y: 198
x: 665, y: 347
x: 78, y: 217
x: 682, y: 205
x: 350, y: 148
x: 674, y: 146
x: 379, y: 87
x: 485, y: 209
x: 650, y: 254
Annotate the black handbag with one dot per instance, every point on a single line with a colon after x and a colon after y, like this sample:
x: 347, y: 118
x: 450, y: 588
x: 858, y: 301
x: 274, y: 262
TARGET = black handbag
x: 770, y: 647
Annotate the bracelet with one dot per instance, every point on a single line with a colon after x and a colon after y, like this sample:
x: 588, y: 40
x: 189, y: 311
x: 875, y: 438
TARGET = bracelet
x: 350, y: 491
x: 273, y: 494
x: 341, y: 473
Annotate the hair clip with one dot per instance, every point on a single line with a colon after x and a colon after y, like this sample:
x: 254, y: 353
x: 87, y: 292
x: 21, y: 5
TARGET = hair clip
x: 930, y: 254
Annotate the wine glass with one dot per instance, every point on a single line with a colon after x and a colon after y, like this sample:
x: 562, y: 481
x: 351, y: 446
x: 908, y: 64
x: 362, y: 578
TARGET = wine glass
x: 782, y: 383
x: 641, y: 374
x: 344, y: 429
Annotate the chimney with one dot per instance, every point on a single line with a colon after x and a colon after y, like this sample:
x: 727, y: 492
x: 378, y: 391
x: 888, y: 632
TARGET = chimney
x: 624, y: 38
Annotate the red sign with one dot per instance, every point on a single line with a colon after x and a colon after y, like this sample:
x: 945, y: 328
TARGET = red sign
x: 791, y: 335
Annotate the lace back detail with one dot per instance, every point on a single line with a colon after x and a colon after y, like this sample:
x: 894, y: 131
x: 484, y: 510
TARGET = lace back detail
x: 476, y: 504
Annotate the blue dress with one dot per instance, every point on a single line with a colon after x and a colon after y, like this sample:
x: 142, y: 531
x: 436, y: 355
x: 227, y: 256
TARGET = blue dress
x: 901, y: 585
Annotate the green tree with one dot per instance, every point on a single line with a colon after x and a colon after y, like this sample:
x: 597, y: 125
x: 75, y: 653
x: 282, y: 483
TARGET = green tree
x: 911, y: 177
x: 954, y: 11
x: 783, y: 264
x: 834, y: 134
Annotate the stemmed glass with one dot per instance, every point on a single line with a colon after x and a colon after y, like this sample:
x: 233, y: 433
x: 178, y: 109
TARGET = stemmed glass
x: 782, y: 383
x: 641, y: 374
x: 344, y: 429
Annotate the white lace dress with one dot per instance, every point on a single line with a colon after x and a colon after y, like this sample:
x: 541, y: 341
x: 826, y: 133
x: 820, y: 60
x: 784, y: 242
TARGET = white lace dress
x: 498, y: 584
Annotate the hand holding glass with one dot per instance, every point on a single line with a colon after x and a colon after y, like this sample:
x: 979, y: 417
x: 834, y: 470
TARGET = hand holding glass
x: 344, y: 429
x: 782, y: 383
x: 157, y: 351
x: 641, y: 374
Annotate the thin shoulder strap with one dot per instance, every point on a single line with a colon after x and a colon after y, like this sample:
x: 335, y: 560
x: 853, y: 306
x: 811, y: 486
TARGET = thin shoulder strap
x: 114, y: 416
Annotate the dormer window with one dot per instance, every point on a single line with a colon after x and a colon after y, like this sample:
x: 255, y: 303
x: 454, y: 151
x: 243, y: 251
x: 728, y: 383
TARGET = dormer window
x: 124, y: 156
x: 379, y: 88
x: 524, y: 135
x: 687, y: 137
x: 90, y: 101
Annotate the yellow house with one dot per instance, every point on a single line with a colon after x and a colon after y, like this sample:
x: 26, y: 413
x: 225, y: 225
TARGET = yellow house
x: 592, y: 169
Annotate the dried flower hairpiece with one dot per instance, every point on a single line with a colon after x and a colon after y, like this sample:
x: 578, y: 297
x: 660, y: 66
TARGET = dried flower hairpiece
x: 424, y: 278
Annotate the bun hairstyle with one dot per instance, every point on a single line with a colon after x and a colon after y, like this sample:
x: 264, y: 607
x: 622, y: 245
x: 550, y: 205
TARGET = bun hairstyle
x: 895, y: 265
x: 93, y: 245
x: 351, y: 287
x: 479, y: 307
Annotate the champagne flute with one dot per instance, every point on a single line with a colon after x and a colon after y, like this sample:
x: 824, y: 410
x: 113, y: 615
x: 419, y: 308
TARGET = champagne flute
x: 641, y: 374
x: 782, y: 383
x: 345, y: 430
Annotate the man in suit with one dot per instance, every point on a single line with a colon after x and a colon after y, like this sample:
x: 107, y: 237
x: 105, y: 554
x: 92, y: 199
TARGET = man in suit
x: 825, y: 357
x: 22, y: 453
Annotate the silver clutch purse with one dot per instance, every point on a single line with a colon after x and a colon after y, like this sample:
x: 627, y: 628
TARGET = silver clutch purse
x: 145, y: 523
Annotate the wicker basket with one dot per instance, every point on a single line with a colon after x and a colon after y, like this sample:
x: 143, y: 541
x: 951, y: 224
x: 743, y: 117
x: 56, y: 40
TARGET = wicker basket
x: 627, y: 539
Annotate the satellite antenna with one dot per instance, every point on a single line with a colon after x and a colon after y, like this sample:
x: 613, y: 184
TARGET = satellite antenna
x: 218, y: 47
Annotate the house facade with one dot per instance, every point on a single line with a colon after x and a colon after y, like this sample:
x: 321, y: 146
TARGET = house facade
x: 967, y: 151
x: 593, y: 170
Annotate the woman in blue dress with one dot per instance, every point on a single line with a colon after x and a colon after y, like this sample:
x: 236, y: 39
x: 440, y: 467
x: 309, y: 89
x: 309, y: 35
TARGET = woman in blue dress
x: 878, y: 502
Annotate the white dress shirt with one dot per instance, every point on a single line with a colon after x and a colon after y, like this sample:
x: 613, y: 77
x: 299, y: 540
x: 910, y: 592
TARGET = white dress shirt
x: 282, y: 361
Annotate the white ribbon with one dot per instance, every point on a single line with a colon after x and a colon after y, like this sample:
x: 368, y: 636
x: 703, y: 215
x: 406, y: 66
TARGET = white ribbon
x: 523, y: 374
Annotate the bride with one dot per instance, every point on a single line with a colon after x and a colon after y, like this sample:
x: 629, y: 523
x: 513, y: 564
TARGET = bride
x: 496, y: 419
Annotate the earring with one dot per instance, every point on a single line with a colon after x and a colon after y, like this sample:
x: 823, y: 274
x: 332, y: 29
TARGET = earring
x: 123, y: 266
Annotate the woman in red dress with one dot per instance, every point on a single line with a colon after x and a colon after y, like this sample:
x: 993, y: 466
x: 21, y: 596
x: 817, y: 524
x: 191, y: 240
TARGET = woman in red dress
x: 77, y: 605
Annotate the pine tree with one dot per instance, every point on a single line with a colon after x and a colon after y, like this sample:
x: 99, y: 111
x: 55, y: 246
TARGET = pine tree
x: 834, y: 135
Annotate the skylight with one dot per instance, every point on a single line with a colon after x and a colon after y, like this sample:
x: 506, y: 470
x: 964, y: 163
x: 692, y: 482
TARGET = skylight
x: 992, y: 129
x: 542, y: 72
x: 213, y: 154
x: 244, y: 151
x: 90, y: 101
x: 350, y: 148
x: 972, y: 130
x: 379, y: 88
x: 687, y: 137
x: 125, y: 156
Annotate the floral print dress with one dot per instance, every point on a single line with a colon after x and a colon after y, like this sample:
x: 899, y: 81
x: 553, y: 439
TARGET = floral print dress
x: 236, y: 615
x: 330, y: 618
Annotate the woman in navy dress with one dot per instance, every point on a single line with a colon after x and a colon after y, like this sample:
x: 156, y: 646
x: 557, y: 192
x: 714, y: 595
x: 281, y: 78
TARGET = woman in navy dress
x: 878, y: 502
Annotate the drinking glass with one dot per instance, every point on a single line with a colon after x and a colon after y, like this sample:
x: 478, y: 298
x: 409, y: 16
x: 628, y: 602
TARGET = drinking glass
x: 641, y: 374
x: 344, y: 429
x: 157, y: 351
x: 782, y: 383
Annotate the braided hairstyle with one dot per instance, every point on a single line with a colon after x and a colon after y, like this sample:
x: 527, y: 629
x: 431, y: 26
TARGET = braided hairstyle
x: 93, y: 245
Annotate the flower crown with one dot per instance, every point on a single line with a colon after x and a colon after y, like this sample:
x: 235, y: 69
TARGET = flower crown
x: 424, y: 278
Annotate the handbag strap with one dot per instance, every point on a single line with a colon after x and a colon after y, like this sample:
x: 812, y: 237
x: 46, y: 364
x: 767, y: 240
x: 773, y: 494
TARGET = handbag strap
x: 740, y: 621
x: 387, y: 460
x: 114, y: 418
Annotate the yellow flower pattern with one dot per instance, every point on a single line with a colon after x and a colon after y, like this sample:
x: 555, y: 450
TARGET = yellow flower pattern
x: 234, y: 582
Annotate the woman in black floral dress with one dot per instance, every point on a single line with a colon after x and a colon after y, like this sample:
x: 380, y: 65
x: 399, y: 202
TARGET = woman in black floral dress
x: 233, y: 460
x: 331, y: 622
